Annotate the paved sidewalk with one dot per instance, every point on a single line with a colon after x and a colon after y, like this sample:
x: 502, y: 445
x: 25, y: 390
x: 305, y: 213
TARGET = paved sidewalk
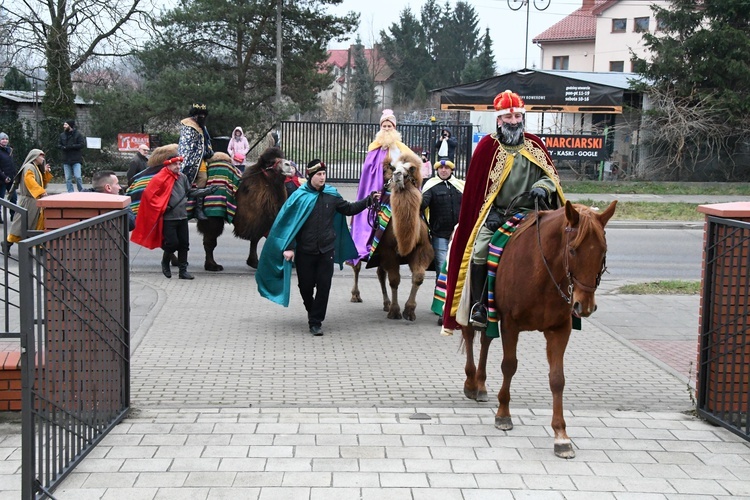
x: 236, y: 400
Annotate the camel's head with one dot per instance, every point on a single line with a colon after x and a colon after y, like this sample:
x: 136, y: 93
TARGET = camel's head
x: 407, y: 172
x: 273, y: 159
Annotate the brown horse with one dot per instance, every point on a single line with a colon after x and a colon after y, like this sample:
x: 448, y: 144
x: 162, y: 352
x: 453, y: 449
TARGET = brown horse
x: 259, y: 196
x: 549, y: 270
x: 405, y: 240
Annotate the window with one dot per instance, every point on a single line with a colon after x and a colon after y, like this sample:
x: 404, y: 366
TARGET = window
x: 640, y: 24
x: 560, y: 62
x: 661, y: 25
x: 619, y: 25
x: 617, y: 66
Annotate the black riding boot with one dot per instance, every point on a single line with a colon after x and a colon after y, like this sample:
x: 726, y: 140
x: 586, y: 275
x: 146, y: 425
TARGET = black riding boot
x: 478, y: 314
x: 198, y: 209
x: 166, y: 271
x: 183, y: 264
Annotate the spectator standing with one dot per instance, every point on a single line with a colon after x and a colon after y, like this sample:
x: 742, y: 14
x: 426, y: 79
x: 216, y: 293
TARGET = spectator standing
x: 31, y: 183
x: 238, y: 148
x: 446, y: 146
x: 72, y: 143
x: 310, y: 230
x: 139, y: 162
x: 426, y: 167
x: 7, y: 168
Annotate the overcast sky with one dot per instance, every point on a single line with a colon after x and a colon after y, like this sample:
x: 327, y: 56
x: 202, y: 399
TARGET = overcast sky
x: 507, y: 28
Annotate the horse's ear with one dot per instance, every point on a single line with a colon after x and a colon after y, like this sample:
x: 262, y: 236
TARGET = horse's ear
x: 571, y: 213
x: 608, y: 213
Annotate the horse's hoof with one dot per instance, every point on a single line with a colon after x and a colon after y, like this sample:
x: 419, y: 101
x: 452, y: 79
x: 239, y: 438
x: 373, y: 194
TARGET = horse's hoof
x: 504, y: 423
x: 565, y: 450
x: 394, y: 315
x: 409, y: 315
x: 252, y: 263
x: 356, y: 297
x: 213, y: 267
x: 386, y: 306
x: 482, y: 397
x: 471, y: 394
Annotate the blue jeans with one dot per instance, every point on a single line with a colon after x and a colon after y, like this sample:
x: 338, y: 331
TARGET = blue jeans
x: 440, y: 245
x: 70, y: 172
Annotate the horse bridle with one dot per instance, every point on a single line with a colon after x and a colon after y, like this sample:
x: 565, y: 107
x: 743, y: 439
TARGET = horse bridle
x: 266, y: 170
x: 572, y: 280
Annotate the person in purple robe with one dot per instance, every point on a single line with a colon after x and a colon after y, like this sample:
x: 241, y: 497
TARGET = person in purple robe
x: 387, y: 147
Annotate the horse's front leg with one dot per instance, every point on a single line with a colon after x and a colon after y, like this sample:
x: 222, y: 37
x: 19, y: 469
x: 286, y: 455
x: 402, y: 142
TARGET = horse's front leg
x: 557, y: 341
x: 470, y: 384
x: 417, y: 278
x: 356, y: 297
x: 481, y: 375
x: 503, y: 420
x: 394, y: 280
x: 383, y: 290
x: 252, y: 258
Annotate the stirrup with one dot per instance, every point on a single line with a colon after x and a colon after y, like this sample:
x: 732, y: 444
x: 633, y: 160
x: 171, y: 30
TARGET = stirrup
x: 478, y: 316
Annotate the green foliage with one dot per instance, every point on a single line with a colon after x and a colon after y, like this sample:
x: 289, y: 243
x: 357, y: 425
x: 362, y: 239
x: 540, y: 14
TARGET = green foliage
x: 14, y: 80
x: 224, y: 54
x: 660, y: 188
x: 650, y: 210
x: 702, y: 53
x: 664, y: 287
x: 20, y: 139
x: 440, y: 49
x: 362, y: 79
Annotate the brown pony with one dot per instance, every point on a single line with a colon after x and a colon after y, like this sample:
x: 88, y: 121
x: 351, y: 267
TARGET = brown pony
x: 550, y: 269
x: 405, y: 240
x: 260, y: 195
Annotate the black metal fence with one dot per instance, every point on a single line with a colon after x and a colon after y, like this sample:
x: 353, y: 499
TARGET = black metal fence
x: 75, y: 345
x: 343, y: 146
x: 724, y: 369
x: 11, y: 306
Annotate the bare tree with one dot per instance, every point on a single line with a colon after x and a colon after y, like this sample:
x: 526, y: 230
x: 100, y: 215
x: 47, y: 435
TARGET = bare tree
x: 685, y: 134
x: 63, y: 35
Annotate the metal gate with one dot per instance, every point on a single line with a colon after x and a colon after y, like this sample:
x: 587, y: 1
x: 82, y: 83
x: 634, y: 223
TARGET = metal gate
x: 724, y: 370
x: 75, y: 345
x: 343, y: 146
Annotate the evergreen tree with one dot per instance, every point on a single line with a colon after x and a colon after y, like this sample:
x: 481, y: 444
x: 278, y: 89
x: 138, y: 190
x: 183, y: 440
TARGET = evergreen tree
x: 14, y: 80
x: 482, y: 66
x: 224, y: 54
x: 363, y: 81
x: 405, y: 53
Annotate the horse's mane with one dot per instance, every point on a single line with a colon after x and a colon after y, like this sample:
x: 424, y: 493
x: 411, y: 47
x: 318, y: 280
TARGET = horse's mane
x: 587, y: 223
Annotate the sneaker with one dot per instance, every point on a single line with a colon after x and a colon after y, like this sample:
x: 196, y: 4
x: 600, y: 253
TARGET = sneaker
x: 316, y: 330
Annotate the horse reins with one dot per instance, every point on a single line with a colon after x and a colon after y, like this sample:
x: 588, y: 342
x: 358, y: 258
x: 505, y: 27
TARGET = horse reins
x: 572, y: 281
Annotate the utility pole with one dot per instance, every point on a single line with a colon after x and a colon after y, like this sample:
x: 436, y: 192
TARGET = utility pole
x: 278, y: 55
x: 538, y: 5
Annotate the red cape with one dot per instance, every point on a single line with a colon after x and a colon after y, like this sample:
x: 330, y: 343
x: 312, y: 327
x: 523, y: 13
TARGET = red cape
x: 150, y: 222
x: 475, y: 192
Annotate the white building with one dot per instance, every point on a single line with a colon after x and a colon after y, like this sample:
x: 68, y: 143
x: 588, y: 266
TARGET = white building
x: 599, y: 36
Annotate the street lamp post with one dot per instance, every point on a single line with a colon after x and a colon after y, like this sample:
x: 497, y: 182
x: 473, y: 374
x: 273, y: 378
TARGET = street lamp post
x: 538, y: 5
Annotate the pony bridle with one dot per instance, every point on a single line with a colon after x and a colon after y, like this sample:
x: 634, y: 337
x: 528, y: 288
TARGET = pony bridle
x: 572, y: 280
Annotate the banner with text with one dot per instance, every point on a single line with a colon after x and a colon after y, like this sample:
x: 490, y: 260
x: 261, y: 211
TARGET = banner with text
x: 575, y: 147
x: 130, y: 142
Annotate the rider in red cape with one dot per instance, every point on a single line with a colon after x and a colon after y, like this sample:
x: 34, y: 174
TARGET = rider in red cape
x: 149, y: 224
x: 505, y: 166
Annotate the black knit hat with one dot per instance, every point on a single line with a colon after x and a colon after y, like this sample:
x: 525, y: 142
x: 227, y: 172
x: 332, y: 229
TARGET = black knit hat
x: 71, y: 123
x: 313, y: 167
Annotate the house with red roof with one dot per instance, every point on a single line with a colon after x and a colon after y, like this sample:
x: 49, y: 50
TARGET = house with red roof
x: 599, y: 36
x: 342, y: 65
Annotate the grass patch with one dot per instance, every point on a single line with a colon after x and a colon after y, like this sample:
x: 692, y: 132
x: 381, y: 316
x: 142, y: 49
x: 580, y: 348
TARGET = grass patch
x: 644, y: 187
x: 668, y: 287
x: 650, y: 210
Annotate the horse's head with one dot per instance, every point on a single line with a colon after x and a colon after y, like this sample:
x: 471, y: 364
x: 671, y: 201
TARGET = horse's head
x: 585, y: 253
x: 406, y: 172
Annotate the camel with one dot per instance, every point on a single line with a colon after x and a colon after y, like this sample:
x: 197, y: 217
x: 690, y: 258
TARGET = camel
x: 258, y: 194
x: 405, y: 239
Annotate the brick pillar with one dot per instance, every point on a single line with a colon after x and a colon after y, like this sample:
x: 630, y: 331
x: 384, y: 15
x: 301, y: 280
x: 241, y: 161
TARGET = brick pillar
x: 727, y: 376
x: 77, y: 352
